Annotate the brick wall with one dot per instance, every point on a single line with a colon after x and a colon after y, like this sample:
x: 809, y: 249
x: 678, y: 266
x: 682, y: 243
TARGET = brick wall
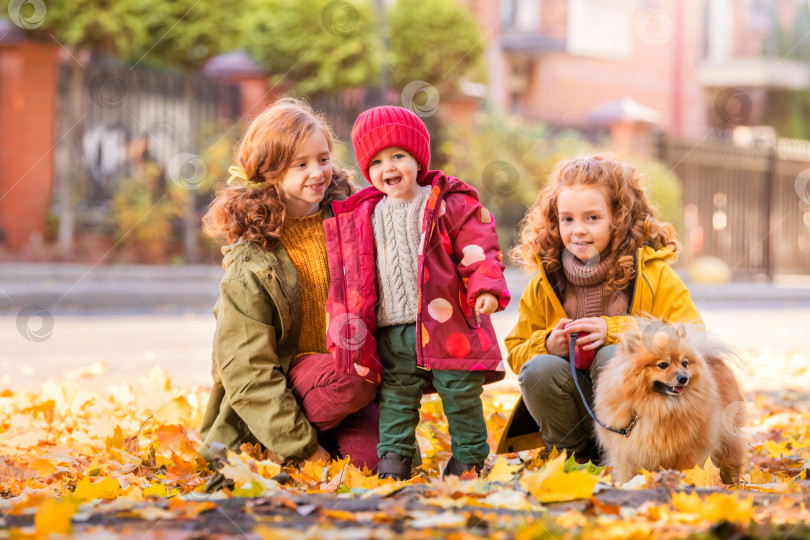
x: 28, y: 78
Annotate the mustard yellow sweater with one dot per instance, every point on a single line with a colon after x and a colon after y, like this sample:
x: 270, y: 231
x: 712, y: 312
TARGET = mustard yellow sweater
x: 305, y: 242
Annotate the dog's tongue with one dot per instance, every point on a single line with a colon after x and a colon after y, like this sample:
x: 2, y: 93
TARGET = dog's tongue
x: 678, y: 389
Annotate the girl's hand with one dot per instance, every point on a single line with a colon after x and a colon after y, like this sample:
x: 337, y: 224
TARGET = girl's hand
x: 597, y: 332
x: 486, y: 303
x: 557, y: 340
x: 320, y: 455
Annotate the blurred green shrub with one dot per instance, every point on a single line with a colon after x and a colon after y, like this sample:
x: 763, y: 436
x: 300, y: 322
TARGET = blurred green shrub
x: 436, y: 41
x: 143, y: 207
x: 664, y: 191
x: 147, y: 205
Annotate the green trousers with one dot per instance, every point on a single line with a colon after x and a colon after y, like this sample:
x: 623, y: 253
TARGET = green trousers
x: 400, y: 394
x: 554, y: 402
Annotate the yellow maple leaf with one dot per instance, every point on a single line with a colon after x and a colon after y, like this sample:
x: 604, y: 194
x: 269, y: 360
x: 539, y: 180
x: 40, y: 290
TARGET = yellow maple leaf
x: 708, y: 476
x: 268, y: 469
x: 776, y: 450
x: 338, y: 479
x: 716, y: 507
x: 55, y: 517
x: 355, y: 478
x: 502, y: 471
x: 106, y: 488
x: 337, y: 466
x: 156, y: 490
x: 310, y: 472
x: 761, y: 477
x: 553, y: 484
x: 44, y: 467
x: 243, y: 475
x: 174, y: 411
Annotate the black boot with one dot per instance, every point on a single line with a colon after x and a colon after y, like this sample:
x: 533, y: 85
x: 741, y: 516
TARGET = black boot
x: 455, y: 468
x: 392, y: 465
x: 591, y: 453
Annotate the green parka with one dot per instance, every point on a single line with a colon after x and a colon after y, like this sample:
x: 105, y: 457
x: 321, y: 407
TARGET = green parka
x: 258, y: 317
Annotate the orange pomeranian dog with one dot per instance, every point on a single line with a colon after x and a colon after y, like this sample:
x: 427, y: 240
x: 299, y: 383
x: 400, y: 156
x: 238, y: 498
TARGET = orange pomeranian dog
x: 676, y: 382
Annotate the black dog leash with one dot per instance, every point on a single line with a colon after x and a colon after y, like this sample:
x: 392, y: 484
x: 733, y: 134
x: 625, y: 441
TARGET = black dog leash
x: 571, y: 351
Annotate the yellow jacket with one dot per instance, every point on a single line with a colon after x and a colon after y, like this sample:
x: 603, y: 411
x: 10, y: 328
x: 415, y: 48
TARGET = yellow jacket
x: 658, y: 292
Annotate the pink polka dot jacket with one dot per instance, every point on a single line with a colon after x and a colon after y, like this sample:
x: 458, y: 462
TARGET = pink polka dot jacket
x: 459, y: 258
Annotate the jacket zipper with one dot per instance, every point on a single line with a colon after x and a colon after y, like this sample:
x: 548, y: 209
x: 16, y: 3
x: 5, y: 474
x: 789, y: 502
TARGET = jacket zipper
x: 420, y: 313
x: 344, y: 300
x: 286, y: 297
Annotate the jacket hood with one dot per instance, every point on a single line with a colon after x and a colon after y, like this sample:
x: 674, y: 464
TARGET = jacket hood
x: 446, y: 183
x: 647, y: 253
x: 230, y: 252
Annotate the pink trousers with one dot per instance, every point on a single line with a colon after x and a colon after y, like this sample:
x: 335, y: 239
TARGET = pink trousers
x: 341, y: 407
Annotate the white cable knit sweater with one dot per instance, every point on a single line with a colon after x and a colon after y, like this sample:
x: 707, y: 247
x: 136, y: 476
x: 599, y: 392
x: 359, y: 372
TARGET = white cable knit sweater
x: 397, y: 230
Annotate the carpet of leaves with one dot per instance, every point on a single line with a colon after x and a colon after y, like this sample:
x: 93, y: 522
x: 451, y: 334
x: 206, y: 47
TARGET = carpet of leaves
x: 123, y: 463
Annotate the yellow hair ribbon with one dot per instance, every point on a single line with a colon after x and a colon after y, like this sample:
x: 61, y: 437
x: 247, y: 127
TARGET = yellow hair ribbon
x: 236, y: 172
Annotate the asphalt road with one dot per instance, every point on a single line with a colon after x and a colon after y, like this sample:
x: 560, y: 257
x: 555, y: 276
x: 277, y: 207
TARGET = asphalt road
x: 127, y: 346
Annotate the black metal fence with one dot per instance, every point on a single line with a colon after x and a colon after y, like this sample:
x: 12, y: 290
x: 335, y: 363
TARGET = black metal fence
x: 747, y: 205
x: 113, y: 118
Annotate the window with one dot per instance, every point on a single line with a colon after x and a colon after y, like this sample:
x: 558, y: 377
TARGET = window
x: 719, y: 29
x: 521, y: 15
x: 601, y: 28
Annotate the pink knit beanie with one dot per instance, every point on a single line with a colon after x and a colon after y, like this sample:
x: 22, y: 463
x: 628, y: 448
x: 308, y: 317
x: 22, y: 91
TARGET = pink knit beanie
x: 384, y: 127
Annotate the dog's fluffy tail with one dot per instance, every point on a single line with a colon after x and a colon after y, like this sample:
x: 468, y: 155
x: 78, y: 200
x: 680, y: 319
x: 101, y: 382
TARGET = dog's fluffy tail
x: 714, y: 349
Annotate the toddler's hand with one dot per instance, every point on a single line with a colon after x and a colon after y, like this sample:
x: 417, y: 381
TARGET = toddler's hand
x: 557, y: 340
x: 597, y: 332
x: 486, y: 303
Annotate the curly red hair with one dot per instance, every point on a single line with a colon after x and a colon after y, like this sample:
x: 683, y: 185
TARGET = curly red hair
x: 253, y: 210
x: 635, y: 222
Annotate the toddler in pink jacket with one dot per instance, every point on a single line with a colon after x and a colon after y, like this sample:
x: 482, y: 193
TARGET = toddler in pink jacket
x: 415, y: 272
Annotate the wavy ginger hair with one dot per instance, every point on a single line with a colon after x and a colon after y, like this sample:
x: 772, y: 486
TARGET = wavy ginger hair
x: 254, y: 209
x: 635, y: 222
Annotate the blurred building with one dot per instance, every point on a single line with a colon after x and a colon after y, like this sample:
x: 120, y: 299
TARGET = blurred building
x: 698, y: 63
x: 718, y: 80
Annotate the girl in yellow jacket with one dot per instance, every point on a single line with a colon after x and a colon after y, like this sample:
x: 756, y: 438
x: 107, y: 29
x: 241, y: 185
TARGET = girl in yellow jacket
x: 602, y: 256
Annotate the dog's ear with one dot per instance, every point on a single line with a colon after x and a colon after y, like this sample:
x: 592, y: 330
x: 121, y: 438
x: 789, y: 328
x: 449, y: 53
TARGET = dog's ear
x: 681, y: 330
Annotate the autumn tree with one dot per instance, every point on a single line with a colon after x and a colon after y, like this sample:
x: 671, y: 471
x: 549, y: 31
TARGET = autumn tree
x: 316, y: 46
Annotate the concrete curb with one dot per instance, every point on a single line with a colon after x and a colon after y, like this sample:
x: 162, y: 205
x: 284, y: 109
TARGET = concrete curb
x: 126, y: 288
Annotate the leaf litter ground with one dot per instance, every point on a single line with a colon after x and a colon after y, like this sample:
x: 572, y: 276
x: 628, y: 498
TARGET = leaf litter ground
x: 123, y: 463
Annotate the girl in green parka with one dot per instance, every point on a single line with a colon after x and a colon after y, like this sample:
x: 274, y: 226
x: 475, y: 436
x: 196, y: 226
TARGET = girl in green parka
x: 274, y: 382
